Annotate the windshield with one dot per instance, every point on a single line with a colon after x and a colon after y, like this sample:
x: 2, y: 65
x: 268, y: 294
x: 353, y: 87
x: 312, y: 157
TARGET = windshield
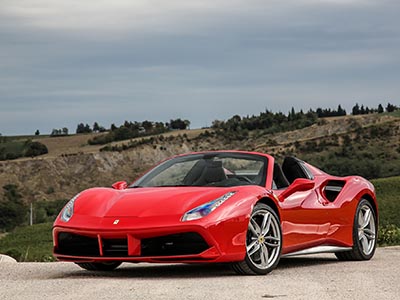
x: 210, y: 169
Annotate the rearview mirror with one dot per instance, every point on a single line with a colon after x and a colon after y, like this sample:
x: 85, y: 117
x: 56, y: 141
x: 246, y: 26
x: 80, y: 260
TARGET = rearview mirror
x: 299, y: 185
x: 120, y: 185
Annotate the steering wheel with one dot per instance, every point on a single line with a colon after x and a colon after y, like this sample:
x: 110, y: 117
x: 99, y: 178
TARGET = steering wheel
x: 244, y: 178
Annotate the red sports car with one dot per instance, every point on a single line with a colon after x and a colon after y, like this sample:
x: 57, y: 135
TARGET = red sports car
x: 220, y: 206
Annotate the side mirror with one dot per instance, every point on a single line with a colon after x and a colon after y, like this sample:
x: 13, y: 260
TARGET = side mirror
x: 299, y: 185
x: 120, y: 185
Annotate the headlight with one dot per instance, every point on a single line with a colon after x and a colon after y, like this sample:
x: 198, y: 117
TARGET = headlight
x: 68, y: 210
x: 205, y: 209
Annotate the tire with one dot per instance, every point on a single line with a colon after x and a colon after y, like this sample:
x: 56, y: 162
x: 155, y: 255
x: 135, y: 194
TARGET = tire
x: 364, y: 234
x: 263, y: 242
x: 108, y: 266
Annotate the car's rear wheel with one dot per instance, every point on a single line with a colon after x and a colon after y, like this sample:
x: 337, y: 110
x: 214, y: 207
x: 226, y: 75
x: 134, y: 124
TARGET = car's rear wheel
x: 107, y: 266
x: 263, y: 242
x: 364, y: 234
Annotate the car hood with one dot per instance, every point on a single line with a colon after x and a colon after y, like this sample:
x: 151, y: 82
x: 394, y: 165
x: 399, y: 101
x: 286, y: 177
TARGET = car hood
x: 144, y: 202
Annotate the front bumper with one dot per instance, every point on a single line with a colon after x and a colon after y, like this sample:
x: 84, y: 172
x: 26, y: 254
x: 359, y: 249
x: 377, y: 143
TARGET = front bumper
x: 189, y: 243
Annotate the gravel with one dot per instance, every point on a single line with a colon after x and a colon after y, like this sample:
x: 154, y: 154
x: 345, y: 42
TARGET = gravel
x: 313, y: 277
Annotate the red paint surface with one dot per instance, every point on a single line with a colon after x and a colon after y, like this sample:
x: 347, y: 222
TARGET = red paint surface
x: 307, y: 218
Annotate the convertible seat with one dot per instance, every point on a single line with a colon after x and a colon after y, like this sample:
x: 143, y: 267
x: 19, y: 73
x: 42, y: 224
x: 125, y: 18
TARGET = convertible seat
x: 194, y: 174
x: 279, y: 178
x: 292, y: 169
x: 212, y: 172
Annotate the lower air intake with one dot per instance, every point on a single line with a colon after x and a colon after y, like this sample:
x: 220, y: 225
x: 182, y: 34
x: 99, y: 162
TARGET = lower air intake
x: 77, y: 245
x: 189, y: 243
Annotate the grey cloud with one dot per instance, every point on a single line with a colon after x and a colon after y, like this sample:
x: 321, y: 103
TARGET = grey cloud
x: 200, y: 61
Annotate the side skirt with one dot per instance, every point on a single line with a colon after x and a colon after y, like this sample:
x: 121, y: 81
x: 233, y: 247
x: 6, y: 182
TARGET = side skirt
x: 319, y: 249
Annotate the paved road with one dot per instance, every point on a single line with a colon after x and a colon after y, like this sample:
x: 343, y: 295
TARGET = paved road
x: 317, y: 277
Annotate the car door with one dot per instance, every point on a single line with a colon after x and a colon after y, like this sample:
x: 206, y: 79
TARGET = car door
x: 305, y: 220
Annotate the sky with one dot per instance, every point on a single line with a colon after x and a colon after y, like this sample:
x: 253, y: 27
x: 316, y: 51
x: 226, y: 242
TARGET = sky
x: 67, y: 62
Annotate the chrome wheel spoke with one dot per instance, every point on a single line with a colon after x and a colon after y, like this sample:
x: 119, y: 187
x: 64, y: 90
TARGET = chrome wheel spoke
x: 263, y: 239
x: 253, y: 248
x: 366, y: 229
x: 254, y: 227
x: 264, y: 256
x: 269, y: 241
x: 364, y: 243
x: 369, y: 233
x: 366, y: 218
x: 360, y: 219
x: 266, y: 224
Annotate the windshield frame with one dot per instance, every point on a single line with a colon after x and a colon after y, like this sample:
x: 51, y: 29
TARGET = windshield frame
x: 201, y: 155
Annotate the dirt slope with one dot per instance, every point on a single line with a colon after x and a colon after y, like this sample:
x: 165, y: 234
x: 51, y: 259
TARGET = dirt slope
x: 72, y: 165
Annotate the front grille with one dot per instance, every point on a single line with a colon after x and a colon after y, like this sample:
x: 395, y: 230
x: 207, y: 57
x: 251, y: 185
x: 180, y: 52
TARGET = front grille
x: 77, y: 245
x: 189, y: 243
x: 174, y: 244
x: 115, y: 247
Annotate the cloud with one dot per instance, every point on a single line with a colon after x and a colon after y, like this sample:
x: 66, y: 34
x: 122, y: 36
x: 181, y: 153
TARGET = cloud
x: 108, y: 61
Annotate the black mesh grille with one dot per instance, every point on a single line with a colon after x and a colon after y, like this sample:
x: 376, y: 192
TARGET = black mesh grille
x: 174, y: 244
x: 189, y: 243
x: 115, y: 247
x: 77, y: 245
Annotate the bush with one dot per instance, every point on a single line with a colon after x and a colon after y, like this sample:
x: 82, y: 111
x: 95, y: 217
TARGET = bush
x: 14, y: 253
x: 35, y: 149
x: 29, y: 243
x: 17, y: 149
x: 13, y: 211
x: 389, y: 235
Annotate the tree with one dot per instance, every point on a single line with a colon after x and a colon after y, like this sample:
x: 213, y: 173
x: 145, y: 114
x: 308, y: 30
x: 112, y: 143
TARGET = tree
x: 147, y: 125
x: 35, y: 149
x: 37, y: 132
x: 341, y: 111
x: 80, y: 128
x: 83, y: 128
x: 187, y: 124
x: 113, y: 127
x: 87, y: 129
x: 13, y: 211
x: 380, y: 109
x: 96, y: 127
x: 356, y: 109
x: 179, y: 124
x: 390, y: 108
x: 55, y: 132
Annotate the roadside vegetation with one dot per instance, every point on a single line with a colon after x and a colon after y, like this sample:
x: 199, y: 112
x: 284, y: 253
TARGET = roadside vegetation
x: 29, y: 243
x: 388, y: 191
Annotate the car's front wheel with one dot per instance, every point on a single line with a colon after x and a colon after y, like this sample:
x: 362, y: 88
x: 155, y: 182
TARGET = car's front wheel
x: 364, y: 234
x: 263, y: 242
x: 107, y: 266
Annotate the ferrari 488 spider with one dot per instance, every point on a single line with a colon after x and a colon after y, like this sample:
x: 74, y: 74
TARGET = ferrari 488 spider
x: 220, y: 206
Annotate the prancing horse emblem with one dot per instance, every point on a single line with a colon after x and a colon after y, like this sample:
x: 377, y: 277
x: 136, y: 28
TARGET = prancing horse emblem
x: 116, y: 222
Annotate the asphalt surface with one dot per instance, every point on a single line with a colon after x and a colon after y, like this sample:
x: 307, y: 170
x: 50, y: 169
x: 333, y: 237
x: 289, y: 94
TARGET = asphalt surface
x: 308, y: 277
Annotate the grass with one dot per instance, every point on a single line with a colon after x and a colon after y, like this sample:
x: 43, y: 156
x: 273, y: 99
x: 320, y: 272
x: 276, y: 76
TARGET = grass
x: 29, y: 243
x: 15, y: 147
x: 26, y: 137
x: 388, y: 195
x: 396, y: 113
